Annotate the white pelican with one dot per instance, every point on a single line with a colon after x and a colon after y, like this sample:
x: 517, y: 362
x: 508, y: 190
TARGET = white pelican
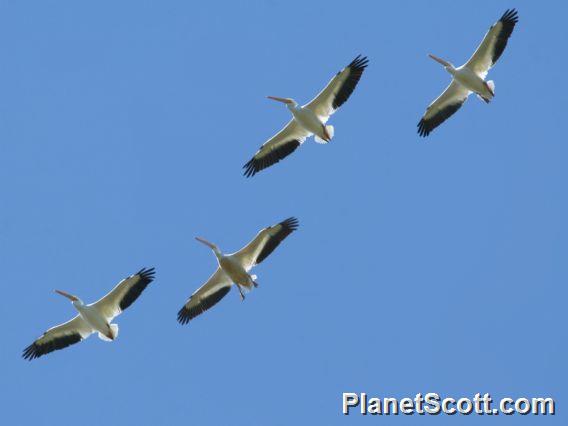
x: 309, y: 119
x: 470, y: 77
x: 235, y: 268
x: 92, y: 318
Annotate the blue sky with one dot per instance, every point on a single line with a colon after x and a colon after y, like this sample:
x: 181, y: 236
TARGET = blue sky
x: 434, y: 265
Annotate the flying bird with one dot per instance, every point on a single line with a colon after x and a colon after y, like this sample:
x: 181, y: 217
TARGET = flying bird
x: 470, y: 77
x: 235, y: 268
x: 96, y: 317
x: 309, y: 119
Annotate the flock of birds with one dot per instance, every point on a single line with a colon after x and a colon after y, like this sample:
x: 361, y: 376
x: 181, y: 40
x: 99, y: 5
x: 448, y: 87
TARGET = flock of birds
x: 310, y: 119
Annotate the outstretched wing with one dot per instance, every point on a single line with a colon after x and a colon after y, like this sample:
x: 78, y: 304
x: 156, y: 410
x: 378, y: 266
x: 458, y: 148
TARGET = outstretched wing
x: 265, y: 242
x: 59, y: 337
x: 493, y: 44
x: 124, y: 294
x: 278, y: 147
x: 443, y: 108
x: 339, y: 89
x: 209, y: 294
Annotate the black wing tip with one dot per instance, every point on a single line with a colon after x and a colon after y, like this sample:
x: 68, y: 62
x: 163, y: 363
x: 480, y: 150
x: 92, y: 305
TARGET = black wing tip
x: 147, y: 274
x: 508, y: 22
x: 423, y: 128
x: 291, y: 223
x: 36, y: 350
x: 186, y: 313
x: 356, y: 68
x: 251, y: 168
x: 184, y: 316
x: 510, y: 17
x: 426, y: 125
x: 270, y: 158
x: 144, y: 277
x: 31, y: 352
x: 281, y: 231
x: 359, y: 63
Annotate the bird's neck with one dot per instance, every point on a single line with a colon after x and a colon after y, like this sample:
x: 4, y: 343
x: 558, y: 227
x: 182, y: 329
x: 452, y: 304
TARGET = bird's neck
x: 292, y: 106
x: 218, y: 253
x: 451, y: 69
x: 78, y: 304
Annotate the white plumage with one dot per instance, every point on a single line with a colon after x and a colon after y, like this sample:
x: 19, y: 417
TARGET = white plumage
x: 309, y: 119
x: 93, y: 318
x: 470, y: 77
x: 235, y: 268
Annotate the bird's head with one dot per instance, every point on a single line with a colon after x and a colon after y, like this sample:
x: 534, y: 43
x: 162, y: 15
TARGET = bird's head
x: 72, y: 298
x: 210, y: 245
x: 448, y: 66
x: 288, y: 101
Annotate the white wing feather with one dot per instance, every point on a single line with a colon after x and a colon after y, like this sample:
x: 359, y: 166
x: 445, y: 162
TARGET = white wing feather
x: 59, y: 337
x: 265, y: 243
x: 493, y: 44
x: 338, y: 89
x: 123, y: 294
x: 276, y: 148
x: 206, y: 296
x: 443, y: 107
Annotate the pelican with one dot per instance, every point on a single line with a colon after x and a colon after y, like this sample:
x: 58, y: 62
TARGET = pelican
x: 470, y: 77
x: 309, y: 119
x: 96, y: 317
x: 235, y: 268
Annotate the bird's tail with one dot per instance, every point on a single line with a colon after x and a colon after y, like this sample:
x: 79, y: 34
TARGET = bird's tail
x: 113, y: 333
x: 491, y: 87
x: 329, y: 130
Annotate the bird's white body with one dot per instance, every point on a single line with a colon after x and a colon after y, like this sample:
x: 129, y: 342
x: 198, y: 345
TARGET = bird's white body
x: 96, y: 320
x: 93, y: 318
x: 235, y: 271
x: 309, y: 120
x: 232, y: 268
x: 471, y: 81
x: 470, y: 77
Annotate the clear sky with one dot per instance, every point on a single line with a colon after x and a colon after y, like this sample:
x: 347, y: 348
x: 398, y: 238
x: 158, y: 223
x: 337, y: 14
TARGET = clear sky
x: 420, y: 265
